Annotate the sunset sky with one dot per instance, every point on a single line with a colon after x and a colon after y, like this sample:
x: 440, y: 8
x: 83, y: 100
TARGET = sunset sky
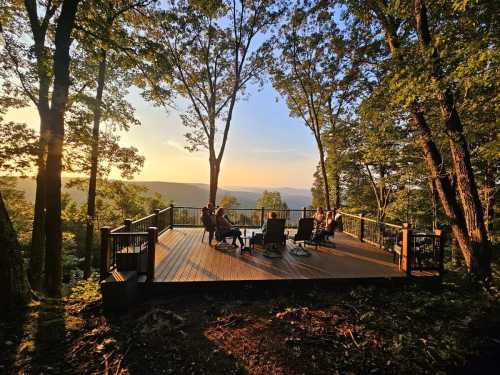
x: 266, y: 148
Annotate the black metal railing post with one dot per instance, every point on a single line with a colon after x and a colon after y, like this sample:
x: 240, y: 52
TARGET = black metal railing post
x: 156, y: 220
x: 171, y: 215
x: 361, y: 227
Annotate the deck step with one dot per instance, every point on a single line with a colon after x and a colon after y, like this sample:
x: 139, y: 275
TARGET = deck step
x: 119, y: 290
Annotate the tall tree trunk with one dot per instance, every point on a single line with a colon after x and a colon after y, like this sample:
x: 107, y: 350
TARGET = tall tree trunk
x: 214, y: 181
x: 337, y: 189
x: 39, y: 30
x: 443, y: 185
x: 14, y: 287
x: 326, y: 186
x: 89, y: 238
x: 431, y: 153
x: 432, y: 193
x: 37, y: 256
x: 53, y: 228
x: 489, y: 198
x: 460, y: 155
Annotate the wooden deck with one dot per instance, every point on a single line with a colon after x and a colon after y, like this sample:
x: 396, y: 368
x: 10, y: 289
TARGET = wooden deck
x: 181, y: 257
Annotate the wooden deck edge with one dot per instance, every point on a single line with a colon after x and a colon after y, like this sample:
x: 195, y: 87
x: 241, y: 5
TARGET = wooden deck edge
x: 172, y: 288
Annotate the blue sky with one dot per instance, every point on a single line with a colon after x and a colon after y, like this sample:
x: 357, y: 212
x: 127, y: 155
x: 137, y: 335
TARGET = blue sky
x: 266, y: 147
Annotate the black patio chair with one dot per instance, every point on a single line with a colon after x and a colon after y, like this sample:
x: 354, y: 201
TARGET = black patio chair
x: 275, y: 233
x: 303, y: 235
x: 208, y: 226
x: 221, y: 238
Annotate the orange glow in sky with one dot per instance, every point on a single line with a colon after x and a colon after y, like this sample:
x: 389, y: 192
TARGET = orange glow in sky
x: 266, y: 148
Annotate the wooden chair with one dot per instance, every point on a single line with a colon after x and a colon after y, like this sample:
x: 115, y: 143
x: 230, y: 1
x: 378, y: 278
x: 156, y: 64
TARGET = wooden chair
x: 207, y: 227
x: 275, y: 233
x: 304, y: 234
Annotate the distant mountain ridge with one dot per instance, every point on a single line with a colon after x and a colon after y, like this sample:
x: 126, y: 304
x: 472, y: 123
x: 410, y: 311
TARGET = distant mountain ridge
x: 187, y: 194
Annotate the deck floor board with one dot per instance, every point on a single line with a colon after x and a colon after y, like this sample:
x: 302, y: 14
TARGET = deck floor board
x: 182, y: 257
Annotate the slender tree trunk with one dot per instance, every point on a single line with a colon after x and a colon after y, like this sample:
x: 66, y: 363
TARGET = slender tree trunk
x: 53, y: 227
x: 326, y: 186
x: 214, y: 181
x: 89, y: 238
x: 460, y: 155
x: 489, y: 199
x: 337, y: 189
x: 37, y: 256
x: 443, y: 185
x: 14, y: 287
x: 432, y: 193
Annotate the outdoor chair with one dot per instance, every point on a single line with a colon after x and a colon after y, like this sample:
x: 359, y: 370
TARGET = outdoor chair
x: 221, y: 238
x: 207, y: 228
x: 275, y: 233
x: 303, y: 235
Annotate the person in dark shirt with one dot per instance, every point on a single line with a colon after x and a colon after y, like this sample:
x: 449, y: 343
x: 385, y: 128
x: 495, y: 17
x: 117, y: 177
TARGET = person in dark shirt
x: 226, y: 228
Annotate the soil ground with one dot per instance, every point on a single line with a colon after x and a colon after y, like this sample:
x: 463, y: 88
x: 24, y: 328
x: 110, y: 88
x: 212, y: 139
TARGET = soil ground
x: 413, y: 329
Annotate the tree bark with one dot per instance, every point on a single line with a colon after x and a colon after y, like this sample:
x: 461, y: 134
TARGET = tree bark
x: 460, y: 155
x: 476, y: 263
x: 89, y: 238
x: 326, y: 185
x: 489, y: 199
x: 37, y: 256
x: 337, y: 189
x: 53, y: 227
x: 14, y: 287
x: 214, y: 180
x: 443, y: 185
x: 39, y: 30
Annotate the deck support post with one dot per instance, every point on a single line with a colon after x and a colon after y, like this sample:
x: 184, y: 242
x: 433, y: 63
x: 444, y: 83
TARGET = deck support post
x: 361, y: 227
x: 128, y: 228
x: 157, y: 220
x: 304, y: 213
x: 104, y: 266
x: 152, y: 236
x: 406, y: 256
x: 261, y: 216
x: 439, y: 242
x: 171, y: 215
x: 128, y: 225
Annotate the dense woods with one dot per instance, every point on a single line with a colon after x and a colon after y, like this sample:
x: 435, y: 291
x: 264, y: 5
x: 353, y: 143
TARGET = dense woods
x: 400, y: 97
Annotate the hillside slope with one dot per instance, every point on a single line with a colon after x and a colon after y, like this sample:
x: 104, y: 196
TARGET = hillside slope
x: 187, y: 194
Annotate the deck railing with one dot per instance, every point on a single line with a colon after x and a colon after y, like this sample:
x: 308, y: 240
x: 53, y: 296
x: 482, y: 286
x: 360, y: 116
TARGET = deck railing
x: 242, y: 217
x: 131, y: 246
x: 417, y: 251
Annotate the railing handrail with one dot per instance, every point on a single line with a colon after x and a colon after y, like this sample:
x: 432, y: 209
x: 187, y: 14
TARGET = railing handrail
x: 144, y: 218
x: 117, y: 229
x: 372, y: 220
x: 128, y: 233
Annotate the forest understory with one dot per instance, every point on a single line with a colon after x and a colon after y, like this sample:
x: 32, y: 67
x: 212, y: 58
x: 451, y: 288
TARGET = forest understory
x: 411, y: 329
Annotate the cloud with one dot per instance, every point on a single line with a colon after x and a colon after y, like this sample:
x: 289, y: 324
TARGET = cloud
x: 184, y: 153
x: 273, y: 151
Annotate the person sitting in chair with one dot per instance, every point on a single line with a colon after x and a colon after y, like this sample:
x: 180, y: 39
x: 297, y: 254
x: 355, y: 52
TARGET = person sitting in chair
x: 328, y: 230
x: 259, y: 237
x: 208, y: 220
x: 319, y: 224
x: 226, y: 228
